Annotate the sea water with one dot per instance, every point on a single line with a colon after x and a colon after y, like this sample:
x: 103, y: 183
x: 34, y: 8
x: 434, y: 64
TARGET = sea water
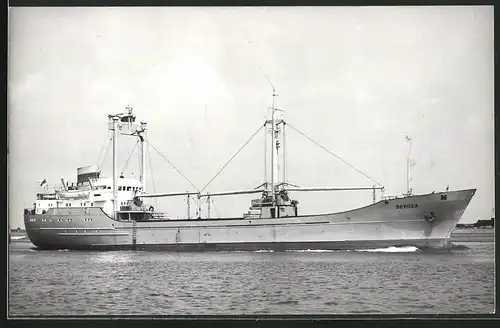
x: 404, y: 280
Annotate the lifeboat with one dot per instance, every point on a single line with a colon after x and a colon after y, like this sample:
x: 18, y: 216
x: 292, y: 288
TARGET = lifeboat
x: 73, y: 194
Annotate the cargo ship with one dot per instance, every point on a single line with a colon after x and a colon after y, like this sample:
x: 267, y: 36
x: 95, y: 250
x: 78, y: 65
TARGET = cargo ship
x: 112, y: 213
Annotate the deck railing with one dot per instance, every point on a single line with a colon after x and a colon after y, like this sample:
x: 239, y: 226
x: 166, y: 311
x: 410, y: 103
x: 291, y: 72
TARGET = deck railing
x: 390, y: 197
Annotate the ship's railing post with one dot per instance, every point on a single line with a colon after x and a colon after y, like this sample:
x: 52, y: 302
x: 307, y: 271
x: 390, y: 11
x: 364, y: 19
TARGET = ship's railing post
x: 198, y: 215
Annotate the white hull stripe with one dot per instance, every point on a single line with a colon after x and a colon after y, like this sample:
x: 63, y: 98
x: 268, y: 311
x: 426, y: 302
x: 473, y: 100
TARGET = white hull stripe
x: 82, y: 234
x: 75, y: 228
x: 232, y: 225
x: 268, y: 224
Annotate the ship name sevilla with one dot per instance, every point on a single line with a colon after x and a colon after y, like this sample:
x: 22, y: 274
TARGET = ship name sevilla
x: 400, y: 207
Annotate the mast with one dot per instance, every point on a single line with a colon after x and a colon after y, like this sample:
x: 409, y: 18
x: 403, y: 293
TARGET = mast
x: 408, y: 168
x: 284, y: 151
x: 265, y: 153
x: 142, y: 136
x: 115, y: 166
x: 123, y: 123
x: 272, y: 148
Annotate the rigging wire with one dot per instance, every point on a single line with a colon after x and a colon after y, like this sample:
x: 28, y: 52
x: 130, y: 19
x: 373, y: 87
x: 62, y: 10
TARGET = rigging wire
x: 102, y: 148
x: 334, y: 155
x: 131, y: 153
x: 190, y: 200
x: 217, y: 212
x: 178, y: 171
x: 152, y: 176
x: 139, y: 161
x: 105, y: 155
x: 232, y: 158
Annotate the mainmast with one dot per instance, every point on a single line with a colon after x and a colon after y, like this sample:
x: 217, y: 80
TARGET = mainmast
x: 272, y: 147
x: 125, y: 123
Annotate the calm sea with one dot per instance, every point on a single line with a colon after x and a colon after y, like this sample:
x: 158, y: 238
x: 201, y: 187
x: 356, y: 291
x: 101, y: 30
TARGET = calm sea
x: 387, y: 281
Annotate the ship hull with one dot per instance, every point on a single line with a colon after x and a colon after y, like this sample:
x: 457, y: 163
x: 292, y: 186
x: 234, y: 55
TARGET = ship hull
x: 421, y: 221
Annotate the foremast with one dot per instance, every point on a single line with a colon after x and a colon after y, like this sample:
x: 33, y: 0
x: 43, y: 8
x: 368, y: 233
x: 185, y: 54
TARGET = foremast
x: 124, y: 124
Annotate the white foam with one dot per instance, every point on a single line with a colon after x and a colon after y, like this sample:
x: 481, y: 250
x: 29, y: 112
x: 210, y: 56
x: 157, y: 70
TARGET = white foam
x: 264, y: 251
x: 17, y: 237
x: 392, y: 249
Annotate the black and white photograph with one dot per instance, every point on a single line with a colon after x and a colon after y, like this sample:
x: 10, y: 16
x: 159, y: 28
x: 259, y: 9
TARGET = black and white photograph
x: 185, y: 161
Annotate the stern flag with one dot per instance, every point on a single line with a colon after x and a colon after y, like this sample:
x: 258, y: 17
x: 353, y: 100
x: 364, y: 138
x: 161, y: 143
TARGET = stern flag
x: 44, y: 182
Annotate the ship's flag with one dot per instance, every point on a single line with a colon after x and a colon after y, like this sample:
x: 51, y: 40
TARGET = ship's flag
x: 44, y: 182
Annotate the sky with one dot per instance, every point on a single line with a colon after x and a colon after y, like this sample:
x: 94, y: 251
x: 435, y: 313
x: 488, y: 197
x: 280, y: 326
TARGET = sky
x: 355, y: 79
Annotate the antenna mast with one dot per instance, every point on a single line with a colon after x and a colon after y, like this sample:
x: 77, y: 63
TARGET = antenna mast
x: 408, y: 168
